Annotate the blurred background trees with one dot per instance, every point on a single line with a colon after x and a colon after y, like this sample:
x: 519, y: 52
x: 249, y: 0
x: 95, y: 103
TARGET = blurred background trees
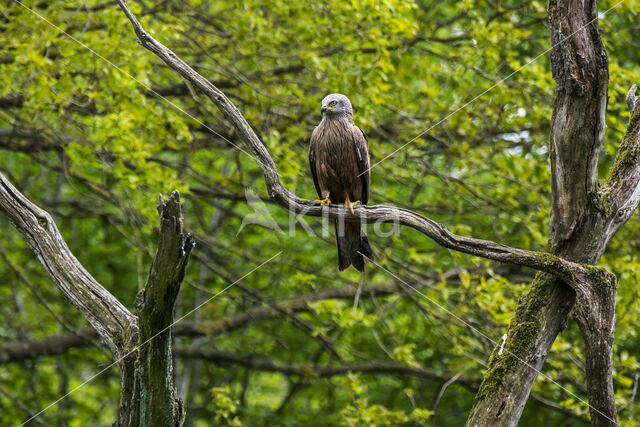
x: 94, y: 147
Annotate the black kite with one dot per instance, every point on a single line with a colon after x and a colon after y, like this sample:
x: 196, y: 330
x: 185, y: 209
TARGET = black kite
x: 339, y: 160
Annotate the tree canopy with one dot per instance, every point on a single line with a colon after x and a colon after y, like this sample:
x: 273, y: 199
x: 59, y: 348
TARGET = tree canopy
x: 456, y: 99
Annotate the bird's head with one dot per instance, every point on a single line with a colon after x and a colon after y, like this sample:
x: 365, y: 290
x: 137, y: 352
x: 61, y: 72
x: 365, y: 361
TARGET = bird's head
x: 336, y: 105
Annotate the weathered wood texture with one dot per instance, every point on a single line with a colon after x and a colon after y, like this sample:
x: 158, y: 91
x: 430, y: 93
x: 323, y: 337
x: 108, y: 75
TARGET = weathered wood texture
x: 583, y: 221
x: 595, y: 313
x: 141, y: 345
x: 112, y: 320
x: 580, y: 68
x: 583, y: 218
x: 153, y: 400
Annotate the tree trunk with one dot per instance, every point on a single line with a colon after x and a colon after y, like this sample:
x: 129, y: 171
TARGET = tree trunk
x: 141, y: 346
x: 151, y: 399
x: 583, y: 220
x: 595, y: 314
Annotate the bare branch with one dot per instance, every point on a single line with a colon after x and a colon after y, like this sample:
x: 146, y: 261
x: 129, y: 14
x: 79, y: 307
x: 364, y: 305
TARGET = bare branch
x: 113, y: 322
x: 620, y: 195
x: 60, y: 343
x: 387, y: 367
x: 379, y: 213
x: 583, y: 221
x: 580, y: 213
x: 17, y: 351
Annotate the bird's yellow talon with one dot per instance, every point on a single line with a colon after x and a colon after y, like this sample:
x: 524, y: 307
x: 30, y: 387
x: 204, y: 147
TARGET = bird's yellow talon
x: 351, y: 204
x: 323, y: 201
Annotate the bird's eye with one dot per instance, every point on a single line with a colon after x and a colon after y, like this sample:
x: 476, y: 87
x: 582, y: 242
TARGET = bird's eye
x: 332, y: 103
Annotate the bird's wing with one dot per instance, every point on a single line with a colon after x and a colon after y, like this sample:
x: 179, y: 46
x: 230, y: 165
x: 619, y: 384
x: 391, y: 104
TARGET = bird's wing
x: 362, y: 158
x: 312, y: 161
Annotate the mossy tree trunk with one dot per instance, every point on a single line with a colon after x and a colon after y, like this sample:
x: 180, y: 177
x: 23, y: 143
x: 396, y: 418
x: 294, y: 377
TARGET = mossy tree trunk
x: 584, y: 218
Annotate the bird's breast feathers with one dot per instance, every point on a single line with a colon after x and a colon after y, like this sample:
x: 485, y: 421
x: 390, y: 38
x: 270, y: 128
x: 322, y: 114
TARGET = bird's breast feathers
x: 334, y: 137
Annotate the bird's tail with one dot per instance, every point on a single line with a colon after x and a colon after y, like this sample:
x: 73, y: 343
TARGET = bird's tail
x: 352, y: 245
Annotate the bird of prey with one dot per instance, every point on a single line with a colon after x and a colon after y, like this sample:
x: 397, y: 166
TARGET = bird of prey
x: 339, y: 160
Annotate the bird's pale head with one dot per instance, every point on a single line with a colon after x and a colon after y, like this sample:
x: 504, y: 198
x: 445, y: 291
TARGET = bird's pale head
x: 336, y: 105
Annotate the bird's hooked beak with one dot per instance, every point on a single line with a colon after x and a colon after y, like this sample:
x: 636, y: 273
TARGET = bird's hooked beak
x: 325, y: 108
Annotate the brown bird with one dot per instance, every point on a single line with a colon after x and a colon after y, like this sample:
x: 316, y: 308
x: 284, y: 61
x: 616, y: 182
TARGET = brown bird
x: 339, y: 160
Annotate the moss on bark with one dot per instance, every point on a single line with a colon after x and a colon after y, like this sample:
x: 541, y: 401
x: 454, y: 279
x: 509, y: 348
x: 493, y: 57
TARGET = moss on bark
x: 629, y: 151
x: 520, y: 336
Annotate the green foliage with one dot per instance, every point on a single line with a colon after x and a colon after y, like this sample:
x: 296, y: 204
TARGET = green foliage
x: 406, y: 355
x: 425, y: 78
x: 224, y: 408
x: 360, y: 412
